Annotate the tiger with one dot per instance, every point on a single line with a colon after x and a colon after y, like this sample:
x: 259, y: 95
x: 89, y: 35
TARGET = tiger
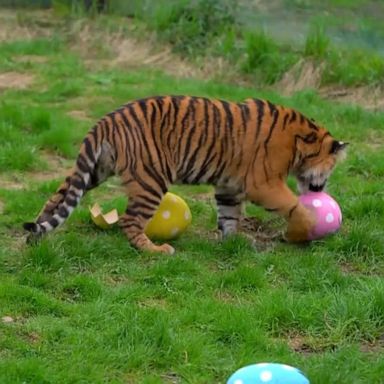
x: 246, y: 150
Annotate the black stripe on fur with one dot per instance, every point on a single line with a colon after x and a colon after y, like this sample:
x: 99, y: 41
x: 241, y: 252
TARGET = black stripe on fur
x: 31, y: 227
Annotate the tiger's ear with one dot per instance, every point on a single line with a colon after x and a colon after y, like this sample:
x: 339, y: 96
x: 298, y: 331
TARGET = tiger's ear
x: 337, y: 146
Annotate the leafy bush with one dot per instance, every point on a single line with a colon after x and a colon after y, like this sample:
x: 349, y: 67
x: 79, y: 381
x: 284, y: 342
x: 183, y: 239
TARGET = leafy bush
x: 188, y: 25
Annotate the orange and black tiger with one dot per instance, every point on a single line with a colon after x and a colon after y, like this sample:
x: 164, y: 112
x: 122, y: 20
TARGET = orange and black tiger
x: 246, y: 150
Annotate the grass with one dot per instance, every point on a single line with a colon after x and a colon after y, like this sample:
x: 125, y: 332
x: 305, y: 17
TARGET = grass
x: 264, y: 59
x: 344, y: 38
x: 88, y: 308
x: 317, y: 42
x: 224, y: 29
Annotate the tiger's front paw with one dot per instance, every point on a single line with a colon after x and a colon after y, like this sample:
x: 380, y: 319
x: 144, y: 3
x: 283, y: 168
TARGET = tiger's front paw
x: 300, y: 227
x: 296, y: 236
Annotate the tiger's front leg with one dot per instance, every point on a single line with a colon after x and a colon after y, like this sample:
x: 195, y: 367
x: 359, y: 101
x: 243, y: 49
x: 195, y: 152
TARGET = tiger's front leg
x: 282, y: 200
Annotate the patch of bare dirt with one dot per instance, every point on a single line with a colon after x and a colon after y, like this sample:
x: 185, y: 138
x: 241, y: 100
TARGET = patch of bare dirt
x: 134, y: 53
x: 13, y: 181
x: 304, y: 74
x: 15, y: 26
x: 32, y: 337
x: 263, y: 234
x: 129, y: 52
x: 116, y: 280
x: 308, y: 345
x: 298, y: 344
x: 348, y: 268
x: 369, y: 97
x: 7, y: 319
x: 352, y: 269
x: 17, y: 240
x: 31, y: 59
x: 79, y: 114
x: 376, y: 346
x: 58, y: 168
x: 46, y: 175
x: 171, y: 378
x: 15, y: 80
x: 153, y: 303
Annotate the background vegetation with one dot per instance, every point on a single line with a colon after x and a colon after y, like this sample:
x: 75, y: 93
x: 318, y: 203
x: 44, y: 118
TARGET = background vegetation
x: 266, y: 41
x: 85, y: 307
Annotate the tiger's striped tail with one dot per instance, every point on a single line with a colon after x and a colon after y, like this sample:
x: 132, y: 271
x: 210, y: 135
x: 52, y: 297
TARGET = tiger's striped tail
x: 80, y: 180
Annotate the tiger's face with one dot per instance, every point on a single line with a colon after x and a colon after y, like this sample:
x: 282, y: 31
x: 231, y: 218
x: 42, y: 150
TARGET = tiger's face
x: 316, y: 157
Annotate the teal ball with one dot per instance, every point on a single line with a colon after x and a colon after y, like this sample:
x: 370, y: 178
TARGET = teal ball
x: 268, y: 373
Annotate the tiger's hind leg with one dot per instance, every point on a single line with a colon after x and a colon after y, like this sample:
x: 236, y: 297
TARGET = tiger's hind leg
x: 229, y: 206
x: 141, y: 207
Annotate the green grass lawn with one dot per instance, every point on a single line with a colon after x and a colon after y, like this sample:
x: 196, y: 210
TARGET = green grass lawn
x: 88, y: 308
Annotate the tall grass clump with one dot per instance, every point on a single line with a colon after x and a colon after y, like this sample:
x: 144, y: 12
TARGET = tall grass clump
x: 80, y: 8
x: 352, y: 68
x: 264, y: 58
x: 317, y: 43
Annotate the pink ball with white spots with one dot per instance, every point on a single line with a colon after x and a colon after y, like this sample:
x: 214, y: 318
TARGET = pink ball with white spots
x: 327, y: 212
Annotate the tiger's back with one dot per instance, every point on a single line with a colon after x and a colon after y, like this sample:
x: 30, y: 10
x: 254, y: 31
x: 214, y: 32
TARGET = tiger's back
x: 187, y: 139
x: 245, y: 149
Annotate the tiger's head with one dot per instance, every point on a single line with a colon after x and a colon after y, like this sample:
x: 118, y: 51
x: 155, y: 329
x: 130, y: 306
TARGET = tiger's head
x: 316, y: 154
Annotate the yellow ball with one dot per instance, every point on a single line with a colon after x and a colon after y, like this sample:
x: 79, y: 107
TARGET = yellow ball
x: 170, y: 220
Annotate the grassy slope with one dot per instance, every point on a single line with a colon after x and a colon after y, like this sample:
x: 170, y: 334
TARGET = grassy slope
x: 88, y: 308
x: 264, y: 40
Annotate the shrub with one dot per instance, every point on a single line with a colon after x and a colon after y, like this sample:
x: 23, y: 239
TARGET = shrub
x: 188, y: 25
